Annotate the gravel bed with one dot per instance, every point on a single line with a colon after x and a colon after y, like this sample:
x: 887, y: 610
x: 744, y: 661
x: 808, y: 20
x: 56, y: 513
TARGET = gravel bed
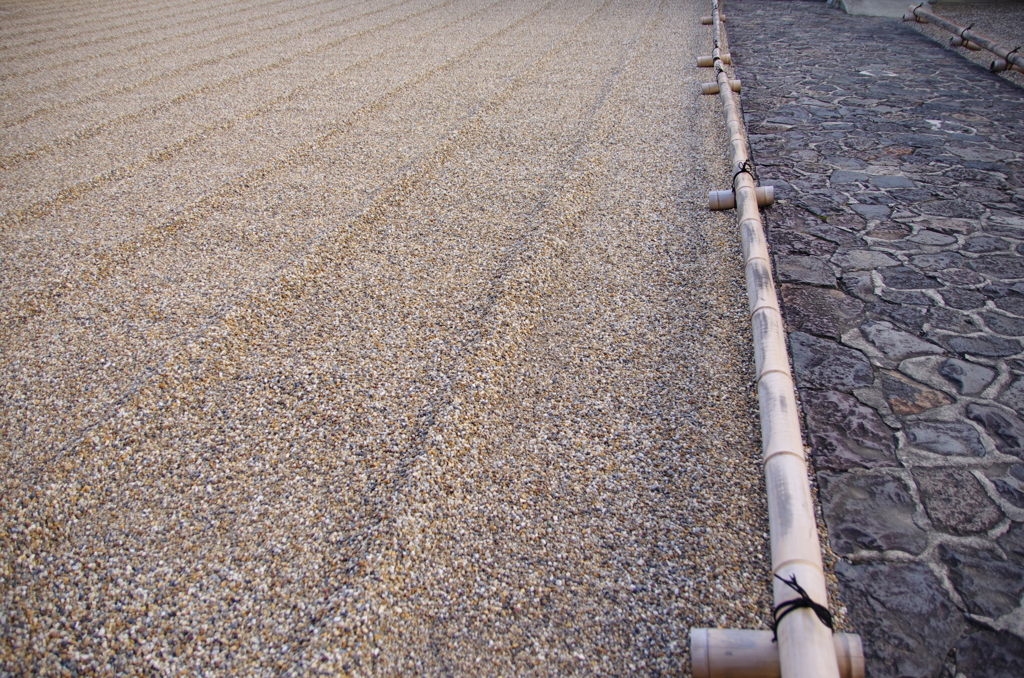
x: 404, y: 346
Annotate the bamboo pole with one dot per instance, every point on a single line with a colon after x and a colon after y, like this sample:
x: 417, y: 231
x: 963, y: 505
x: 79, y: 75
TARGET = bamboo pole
x: 806, y: 648
x: 742, y: 653
x: 1009, y: 58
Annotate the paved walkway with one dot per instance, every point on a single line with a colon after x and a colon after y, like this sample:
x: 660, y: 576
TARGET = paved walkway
x: 899, y: 244
x: 368, y: 337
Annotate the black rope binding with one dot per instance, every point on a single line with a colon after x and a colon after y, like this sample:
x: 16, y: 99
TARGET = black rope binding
x: 964, y: 31
x: 804, y: 600
x: 747, y: 167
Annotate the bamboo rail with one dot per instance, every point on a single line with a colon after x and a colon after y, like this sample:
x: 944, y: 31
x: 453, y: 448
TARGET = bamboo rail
x: 965, y: 37
x: 806, y: 648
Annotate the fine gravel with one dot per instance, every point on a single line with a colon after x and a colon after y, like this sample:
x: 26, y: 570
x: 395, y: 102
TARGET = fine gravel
x: 371, y: 338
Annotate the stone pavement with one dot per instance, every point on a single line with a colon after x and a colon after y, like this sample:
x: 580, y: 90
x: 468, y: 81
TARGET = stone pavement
x: 898, y: 242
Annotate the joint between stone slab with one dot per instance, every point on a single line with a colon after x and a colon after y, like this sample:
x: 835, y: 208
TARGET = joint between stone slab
x: 786, y: 373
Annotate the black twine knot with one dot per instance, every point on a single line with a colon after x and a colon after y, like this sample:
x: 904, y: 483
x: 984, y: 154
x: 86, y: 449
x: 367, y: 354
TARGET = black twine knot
x: 965, y: 30
x: 746, y: 167
x: 804, y: 600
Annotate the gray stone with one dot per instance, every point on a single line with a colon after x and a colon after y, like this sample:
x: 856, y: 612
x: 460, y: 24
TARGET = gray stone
x: 960, y: 277
x: 904, y: 278
x: 1007, y: 297
x: 846, y: 434
x: 988, y: 584
x: 871, y: 212
x: 859, y: 260
x: 859, y: 285
x: 906, y: 396
x: 892, y: 181
x: 990, y: 654
x: 982, y: 194
x: 981, y: 345
x: 787, y: 242
x: 948, y: 226
x: 926, y: 237
x: 984, y: 244
x: 962, y: 209
x: 910, y: 316
x: 1006, y: 430
x: 950, y: 439
x: 818, y: 310
x: 906, y: 620
x: 896, y: 344
x: 1009, y: 482
x: 937, y: 262
x: 905, y: 297
x: 970, y: 378
x: 1012, y: 542
x: 1004, y: 324
x: 808, y: 270
x: 849, y: 221
x: 998, y: 266
x: 943, y: 318
x: 1013, y: 395
x: 824, y: 364
x: 890, y: 230
x: 962, y: 299
x: 870, y: 510
x: 955, y: 500
x: 846, y: 177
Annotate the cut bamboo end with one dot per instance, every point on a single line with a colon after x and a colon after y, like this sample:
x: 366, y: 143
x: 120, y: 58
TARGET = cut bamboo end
x: 742, y: 653
x: 713, y: 88
x: 1000, y: 65
x: 957, y: 41
x: 726, y: 200
x: 709, y: 61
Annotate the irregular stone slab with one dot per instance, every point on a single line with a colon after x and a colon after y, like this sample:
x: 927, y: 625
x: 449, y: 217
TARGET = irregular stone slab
x: 1004, y: 324
x: 870, y: 510
x: 960, y: 276
x: 823, y: 364
x: 904, y: 278
x: 896, y: 344
x: 844, y: 433
x: 859, y: 260
x: 859, y: 285
x: 983, y: 244
x: 955, y: 501
x: 891, y: 181
x: 964, y: 300
x: 942, y: 318
x: 785, y: 242
x: 948, y: 226
x: 801, y: 269
x: 988, y: 584
x: 950, y: 439
x: 970, y: 378
x: 938, y: 262
x: 1012, y: 543
x: 906, y: 620
x: 910, y: 316
x: 1007, y: 430
x: 818, y: 310
x: 981, y: 345
x: 1013, y: 395
x: 1009, y: 482
x: 926, y: 237
x: 870, y: 212
x: 990, y: 654
x: 997, y: 266
x: 1007, y: 297
x: 906, y: 396
x: 847, y: 177
x: 963, y: 209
